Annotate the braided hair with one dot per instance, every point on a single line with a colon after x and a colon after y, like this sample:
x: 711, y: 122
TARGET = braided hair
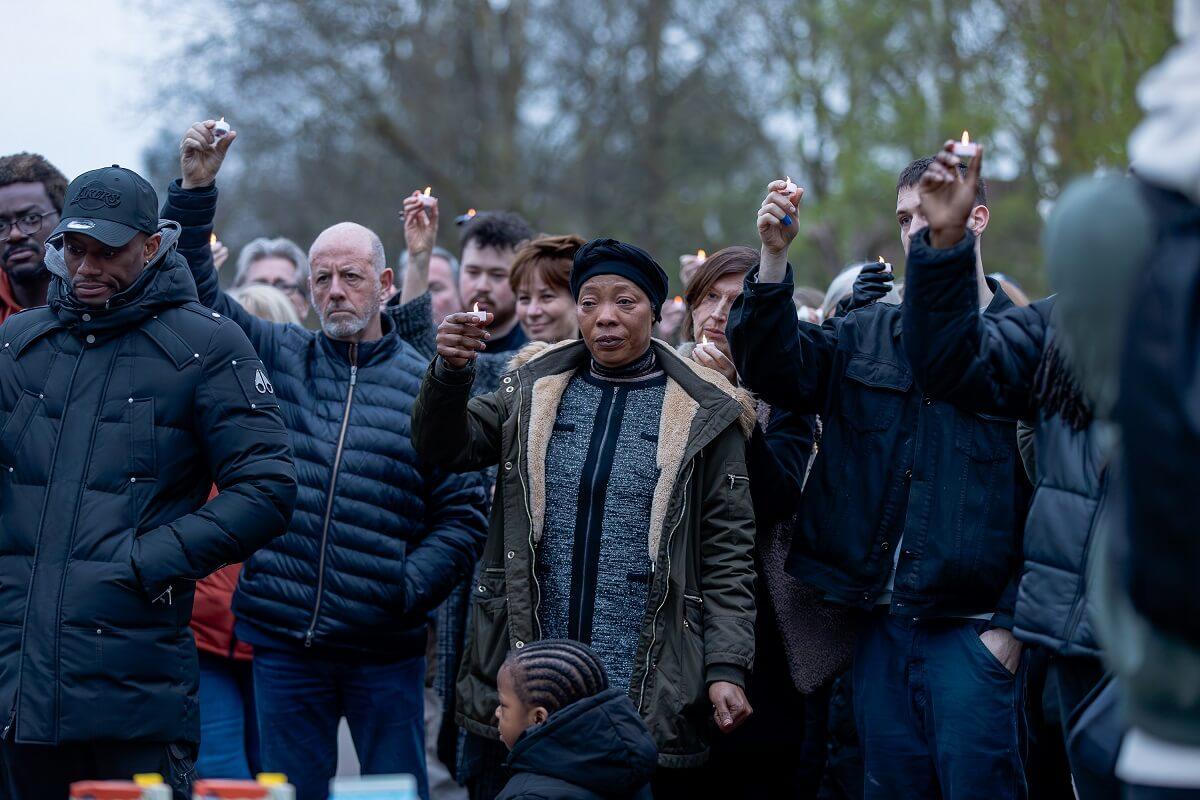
x: 554, y: 673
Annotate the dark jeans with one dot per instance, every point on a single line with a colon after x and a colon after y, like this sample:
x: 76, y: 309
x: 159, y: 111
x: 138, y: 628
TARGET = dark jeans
x: 301, y: 697
x: 228, y: 726
x: 40, y: 772
x: 938, y: 715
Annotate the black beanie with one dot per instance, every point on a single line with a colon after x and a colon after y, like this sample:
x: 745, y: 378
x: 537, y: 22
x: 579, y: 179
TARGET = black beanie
x: 610, y: 257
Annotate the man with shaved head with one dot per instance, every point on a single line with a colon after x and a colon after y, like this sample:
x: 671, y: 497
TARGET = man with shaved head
x: 336, y: 608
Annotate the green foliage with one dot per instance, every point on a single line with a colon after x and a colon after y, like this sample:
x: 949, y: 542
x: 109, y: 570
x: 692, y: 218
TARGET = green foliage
x: 659, y: 121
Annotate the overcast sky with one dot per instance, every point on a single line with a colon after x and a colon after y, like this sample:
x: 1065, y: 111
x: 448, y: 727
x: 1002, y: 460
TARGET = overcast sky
x: 78, y: 81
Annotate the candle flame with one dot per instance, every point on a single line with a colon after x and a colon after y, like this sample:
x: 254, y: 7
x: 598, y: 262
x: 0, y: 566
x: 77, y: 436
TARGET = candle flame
x: 428, y: 189
x: 678, y: 300
x: 701, y: 256
x: 470, y: 212
x: 212, y: 239
x: 222, y: 120
x: 704, y: 338
x: 966, y: 139
x: 475, y: 308
x: 881, y: 261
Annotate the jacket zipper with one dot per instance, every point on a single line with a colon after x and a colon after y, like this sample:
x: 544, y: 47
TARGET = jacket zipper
x: 337, y: 462
x: 537, y: 587
x: 666, y: 592
x: 733, y: 479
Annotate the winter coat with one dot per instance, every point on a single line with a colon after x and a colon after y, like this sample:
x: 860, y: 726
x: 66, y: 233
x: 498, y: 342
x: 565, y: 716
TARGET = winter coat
x: 894, y: 465
x: 700, y: 622
x: 597, y: 748
x: 987, y: 365
x: 212, y: 616
x: 114, y: 424
x: 378, y: 540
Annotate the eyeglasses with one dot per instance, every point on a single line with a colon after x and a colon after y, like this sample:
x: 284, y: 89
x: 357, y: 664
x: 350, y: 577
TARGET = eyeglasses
x: 27, y: 224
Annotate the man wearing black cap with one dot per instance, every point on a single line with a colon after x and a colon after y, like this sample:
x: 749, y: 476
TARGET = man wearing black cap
x: 121, y: 403
x: 622, y: 515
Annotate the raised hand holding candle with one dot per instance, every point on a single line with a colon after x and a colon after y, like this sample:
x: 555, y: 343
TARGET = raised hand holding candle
x: 480, y: 316
x: 965, y: 148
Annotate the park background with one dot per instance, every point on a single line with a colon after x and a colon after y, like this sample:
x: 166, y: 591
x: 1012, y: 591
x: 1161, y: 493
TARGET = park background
x: 655, y: 121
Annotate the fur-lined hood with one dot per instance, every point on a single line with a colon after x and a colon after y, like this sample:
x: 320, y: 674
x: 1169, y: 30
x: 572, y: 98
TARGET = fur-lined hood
x: 536, y: 350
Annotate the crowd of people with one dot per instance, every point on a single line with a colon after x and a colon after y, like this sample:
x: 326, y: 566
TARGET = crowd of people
x: 534, y: 528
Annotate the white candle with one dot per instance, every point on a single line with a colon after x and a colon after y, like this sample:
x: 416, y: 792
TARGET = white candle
x: 965, y: 148
x: 886, y: 266
x: 791, y: 188
x: 221, y: 129
x: 701, y: 256
x: 426, y: 197
x: 480, y: 316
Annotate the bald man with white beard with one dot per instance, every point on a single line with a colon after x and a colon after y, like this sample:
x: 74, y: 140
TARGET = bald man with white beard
x: 337, y: 607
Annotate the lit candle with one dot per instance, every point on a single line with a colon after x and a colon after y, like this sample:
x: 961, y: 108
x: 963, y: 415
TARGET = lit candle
x: 703, y: 338
x: 789, y: 191
x: 463, y: 219
x: 965, y: 148
x: 212, y: 240
x: 678, y: 301
x: 701, y: 256
x: 221, y: 129
x: 426, y: 197
x: 480, y: 316
x: 886, y: 266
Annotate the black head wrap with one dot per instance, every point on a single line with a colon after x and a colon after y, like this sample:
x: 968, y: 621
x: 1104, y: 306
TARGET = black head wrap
x: 610, y: 257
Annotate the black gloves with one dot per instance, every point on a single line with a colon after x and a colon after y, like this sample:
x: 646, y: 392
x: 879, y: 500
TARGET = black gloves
x: 873, y: 282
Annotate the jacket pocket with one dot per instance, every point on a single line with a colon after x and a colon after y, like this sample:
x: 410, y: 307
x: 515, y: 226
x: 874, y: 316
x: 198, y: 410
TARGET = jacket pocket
x: 143, y: 461
x: 489, y: 624
x: 873, y: 394
x: 15, y: 428
x: 984, y: 437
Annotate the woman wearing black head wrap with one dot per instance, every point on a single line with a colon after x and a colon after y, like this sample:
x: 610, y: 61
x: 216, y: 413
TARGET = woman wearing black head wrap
x: 622, y: 517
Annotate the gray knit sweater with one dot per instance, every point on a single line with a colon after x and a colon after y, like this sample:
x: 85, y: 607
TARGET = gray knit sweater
x: 592, y: 561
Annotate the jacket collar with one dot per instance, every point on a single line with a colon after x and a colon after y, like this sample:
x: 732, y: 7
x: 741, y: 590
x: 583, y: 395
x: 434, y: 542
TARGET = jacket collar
x: 165, y: 283
x: 367, y: 353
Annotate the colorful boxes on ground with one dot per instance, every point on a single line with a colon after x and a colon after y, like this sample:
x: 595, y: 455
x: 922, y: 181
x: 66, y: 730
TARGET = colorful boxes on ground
x: 269, y: 786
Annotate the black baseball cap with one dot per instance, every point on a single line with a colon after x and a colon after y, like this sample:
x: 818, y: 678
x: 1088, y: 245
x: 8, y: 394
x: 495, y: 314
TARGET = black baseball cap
x: 111, y: 204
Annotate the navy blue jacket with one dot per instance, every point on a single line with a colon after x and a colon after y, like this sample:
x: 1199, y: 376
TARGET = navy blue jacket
x: 987, y: 364
x: 114, y: 424
x: 378, y: 539
x: 893, y: 463
x: 597, y: 748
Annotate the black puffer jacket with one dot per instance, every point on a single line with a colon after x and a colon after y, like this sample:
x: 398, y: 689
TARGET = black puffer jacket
x: 114, y: 425
x: 378, y: 539
x: 597, y: 748
x: 987, y: 364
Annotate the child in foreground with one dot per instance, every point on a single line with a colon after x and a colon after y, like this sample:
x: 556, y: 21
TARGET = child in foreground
x: 570, y: 737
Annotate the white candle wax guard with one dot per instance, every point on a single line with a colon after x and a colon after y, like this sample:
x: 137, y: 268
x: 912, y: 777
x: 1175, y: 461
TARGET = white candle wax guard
x: 221, y: 129
x: 480, y: 316
x: 427, y: 198
x: 965, y: 150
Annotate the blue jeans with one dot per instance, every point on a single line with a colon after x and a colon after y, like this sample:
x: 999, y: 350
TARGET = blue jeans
x: 301, y: 697
x: 228, y: 727
x: 938, y: 715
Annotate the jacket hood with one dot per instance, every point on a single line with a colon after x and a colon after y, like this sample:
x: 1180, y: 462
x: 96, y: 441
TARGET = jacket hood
x: 535, y: 350
x: 599, y: 743
x: 165, y: 282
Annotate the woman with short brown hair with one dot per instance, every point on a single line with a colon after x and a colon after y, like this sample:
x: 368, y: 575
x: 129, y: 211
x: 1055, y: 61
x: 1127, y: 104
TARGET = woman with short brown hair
x: 540, y: 280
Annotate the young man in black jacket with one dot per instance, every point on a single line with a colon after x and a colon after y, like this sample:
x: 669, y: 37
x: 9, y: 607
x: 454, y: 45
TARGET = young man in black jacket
x: 122, y: 402
x: 912, y: 513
